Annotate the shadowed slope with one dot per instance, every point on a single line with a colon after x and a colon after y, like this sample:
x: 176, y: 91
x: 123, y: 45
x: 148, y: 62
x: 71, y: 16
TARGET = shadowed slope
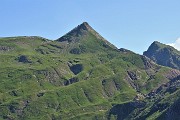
x: 163, y: 55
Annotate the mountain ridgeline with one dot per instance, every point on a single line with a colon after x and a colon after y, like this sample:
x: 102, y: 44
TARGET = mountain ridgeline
x: 164, y: 55
x: 84, y: 38
x: 81, y: 76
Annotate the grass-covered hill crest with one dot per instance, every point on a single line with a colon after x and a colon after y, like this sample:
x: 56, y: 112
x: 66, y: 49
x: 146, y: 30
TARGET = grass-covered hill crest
x: 82, y: 76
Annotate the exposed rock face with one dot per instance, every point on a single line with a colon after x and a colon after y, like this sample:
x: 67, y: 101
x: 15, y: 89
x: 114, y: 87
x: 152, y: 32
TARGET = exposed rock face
x: 171, y: 86
x: 123, y: 110
x: 173, y: 113
x: 75, y: 51
x: 71, y: 81
x: 76, y: 68
x: 124, y: 50
x: 163, y: 55
x: 148, y: 63
x: 23, y: 59
x: 173, y: 74
x: 132, y: 75
x: 5, y: 48
x: 40, y: 94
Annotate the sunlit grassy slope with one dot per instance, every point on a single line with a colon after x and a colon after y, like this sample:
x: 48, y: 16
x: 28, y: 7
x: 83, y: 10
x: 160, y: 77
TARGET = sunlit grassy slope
x: 78, y: 76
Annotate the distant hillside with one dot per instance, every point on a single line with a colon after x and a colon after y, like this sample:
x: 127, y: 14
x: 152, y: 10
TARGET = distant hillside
x: 81, y: 76
x: 163, y: 55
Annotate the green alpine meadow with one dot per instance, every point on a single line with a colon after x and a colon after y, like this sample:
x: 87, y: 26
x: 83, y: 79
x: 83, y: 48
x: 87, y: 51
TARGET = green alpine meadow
x: 82, y: 76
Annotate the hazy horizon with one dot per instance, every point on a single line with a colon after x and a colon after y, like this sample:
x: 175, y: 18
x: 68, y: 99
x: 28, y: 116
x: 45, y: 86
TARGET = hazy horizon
x: 133, y: 25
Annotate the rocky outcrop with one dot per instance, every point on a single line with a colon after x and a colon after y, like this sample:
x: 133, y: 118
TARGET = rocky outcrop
x: 132, y: 75
x: 173, y: 74
x: 122, y: 111
x: 6, y: 48
x: 76, y: 68
x: 173, y: 113
x: 75, y: 51
x: 170, y: 87
x: 71, y: 81
x: 124, y: 50
x: 24, y: 59
x: 163, y: 55
x: 148, y: 63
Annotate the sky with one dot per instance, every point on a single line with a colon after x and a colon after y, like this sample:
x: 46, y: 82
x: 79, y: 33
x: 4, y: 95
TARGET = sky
x: 130, y: 24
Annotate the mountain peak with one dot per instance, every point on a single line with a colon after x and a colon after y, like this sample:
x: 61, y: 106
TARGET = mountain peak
x: 84, y: 32
x: 163, y: 54
x: 85, y: 26
x: 156, y: 43
x: 156, y: 46
x: 74, y: 34
x: 85, y: 23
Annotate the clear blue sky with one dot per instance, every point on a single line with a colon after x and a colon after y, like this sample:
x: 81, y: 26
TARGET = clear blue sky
x: 131, y: 24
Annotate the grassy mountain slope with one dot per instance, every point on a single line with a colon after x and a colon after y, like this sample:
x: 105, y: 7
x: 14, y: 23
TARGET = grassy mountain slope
x: 78, y: 76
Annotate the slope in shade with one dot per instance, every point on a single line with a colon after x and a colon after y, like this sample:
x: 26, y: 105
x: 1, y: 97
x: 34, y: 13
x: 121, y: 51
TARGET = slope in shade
x: 164, y: 55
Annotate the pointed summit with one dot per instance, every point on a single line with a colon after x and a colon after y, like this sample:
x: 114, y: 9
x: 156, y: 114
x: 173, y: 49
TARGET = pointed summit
x: 74, y: 34
x: 85, y: 26
x: 163, y: 54
x: 84, y: 33
x: 157, y: 44
x: 155, y: 47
